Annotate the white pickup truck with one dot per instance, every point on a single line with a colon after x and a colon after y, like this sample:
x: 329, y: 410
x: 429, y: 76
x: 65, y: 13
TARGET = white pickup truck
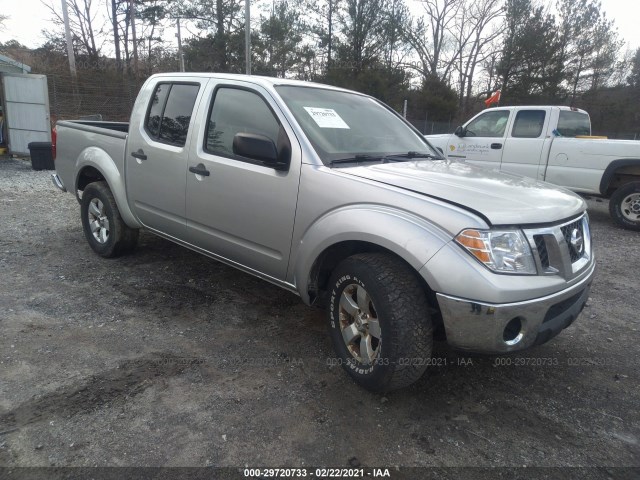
x: 553, y: 144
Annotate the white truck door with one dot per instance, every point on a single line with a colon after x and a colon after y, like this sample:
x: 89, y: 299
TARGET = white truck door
x: 523, y: 146
x: 26, y: 101
x: 483, y: 140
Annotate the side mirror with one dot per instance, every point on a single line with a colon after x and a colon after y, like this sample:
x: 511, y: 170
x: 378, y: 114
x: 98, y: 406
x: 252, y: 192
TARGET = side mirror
x: 258, y: 147
x: 460, y: 131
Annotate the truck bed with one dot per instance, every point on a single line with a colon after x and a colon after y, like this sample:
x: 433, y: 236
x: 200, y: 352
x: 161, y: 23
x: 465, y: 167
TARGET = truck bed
x: 98, y: 126
x: 80, y: 141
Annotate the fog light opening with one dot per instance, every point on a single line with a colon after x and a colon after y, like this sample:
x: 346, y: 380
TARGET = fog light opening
x: 512, y: 333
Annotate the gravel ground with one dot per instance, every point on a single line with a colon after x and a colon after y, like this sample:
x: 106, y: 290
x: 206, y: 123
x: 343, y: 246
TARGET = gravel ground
x: 167, y: 358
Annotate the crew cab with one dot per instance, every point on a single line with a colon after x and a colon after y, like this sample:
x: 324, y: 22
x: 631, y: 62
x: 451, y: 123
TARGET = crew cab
x: 553, y: 144
x: 332, y: 195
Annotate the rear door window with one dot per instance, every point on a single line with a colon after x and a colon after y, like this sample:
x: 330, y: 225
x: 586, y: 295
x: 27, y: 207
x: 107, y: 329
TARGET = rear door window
x: 170, y: 112
x: 158, y: 100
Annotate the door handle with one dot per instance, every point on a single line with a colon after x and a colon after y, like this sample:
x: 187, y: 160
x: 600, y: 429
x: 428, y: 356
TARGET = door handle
x: 139, y: 154
x: 200, y: 170
x: 496, y: 146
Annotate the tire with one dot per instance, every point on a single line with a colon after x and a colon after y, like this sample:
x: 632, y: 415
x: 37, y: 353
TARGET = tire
x: 624, y: 206
x: 103, y: 226
x: 386, y: 320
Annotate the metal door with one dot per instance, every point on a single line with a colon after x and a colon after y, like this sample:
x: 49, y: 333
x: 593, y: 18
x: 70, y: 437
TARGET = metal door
x: 26, y: 105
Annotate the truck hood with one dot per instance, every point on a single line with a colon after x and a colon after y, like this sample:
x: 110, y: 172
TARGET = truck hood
x: 444, y: 136
x: 439, y: 140
x: 503, y: 199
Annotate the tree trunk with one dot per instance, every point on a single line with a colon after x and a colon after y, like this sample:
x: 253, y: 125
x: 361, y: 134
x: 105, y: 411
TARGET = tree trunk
x: 116, y: 35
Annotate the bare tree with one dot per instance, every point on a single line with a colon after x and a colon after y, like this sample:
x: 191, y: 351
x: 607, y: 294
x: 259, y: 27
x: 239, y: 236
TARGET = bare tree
x: 429, y: 37
x: 476, y: 28
x: 87, y: 26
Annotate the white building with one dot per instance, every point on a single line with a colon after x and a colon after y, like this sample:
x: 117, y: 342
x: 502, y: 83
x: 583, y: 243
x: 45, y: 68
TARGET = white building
x: 24, y: 105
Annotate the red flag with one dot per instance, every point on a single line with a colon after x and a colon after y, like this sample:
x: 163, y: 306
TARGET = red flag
x: 495, y: 98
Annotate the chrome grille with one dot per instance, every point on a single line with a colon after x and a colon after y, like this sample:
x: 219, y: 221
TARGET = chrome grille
x: 575, y: 251
x: 563, y: 249
x: 541, y: 246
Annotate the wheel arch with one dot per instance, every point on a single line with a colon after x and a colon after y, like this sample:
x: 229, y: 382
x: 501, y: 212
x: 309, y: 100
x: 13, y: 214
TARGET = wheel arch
x: 331, y: 257
x: 95, y: 164
x: 618, y: 173
x: 363, y: 229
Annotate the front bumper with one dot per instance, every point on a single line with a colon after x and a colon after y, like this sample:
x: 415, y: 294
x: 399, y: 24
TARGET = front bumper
x: 486, y: 328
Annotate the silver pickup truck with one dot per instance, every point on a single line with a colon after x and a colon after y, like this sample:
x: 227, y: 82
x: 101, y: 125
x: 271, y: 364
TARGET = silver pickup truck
x: 332, y: 195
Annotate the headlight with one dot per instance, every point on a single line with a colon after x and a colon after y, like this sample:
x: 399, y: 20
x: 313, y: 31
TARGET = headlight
x: 503, y: 251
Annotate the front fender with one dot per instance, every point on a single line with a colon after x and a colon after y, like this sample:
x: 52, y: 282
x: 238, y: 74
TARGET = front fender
x: 100, y: 160
x: 410, y: 237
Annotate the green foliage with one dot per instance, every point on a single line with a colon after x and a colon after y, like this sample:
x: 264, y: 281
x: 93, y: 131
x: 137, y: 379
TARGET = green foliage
x: 589, y: 45
x: 530, y: 68
x: 391, y: 85
x: 277, y: 49
x: 219, y: 52
x: 436, y: 98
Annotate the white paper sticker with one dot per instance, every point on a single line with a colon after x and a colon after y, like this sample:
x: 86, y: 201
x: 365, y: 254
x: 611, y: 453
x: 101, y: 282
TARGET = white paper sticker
x: 326, y: 117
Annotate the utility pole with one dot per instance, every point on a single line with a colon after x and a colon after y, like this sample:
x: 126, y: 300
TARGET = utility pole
x: 180, y: 54
x: 330, y: 33
x: 132, y: 15
x: 247, y: 35
x: 67, y: 31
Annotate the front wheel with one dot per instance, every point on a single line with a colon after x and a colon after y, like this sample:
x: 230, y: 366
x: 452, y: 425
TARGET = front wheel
x: 379, y: 321
x: 103, y: 226
x: 624, y: 206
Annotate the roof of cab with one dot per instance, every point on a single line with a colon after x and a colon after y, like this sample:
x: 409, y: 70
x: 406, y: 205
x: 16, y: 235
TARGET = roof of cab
x: 256, y: 79
x: 534, y: 107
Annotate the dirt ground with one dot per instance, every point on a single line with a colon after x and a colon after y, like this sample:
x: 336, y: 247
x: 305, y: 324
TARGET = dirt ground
x: 166, y: 358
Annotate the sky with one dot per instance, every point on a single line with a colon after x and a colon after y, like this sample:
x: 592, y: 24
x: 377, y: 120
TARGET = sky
x: 29, y: 17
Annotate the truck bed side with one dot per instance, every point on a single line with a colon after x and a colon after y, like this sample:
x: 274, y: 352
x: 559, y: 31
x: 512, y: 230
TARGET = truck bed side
x: 92, y: 151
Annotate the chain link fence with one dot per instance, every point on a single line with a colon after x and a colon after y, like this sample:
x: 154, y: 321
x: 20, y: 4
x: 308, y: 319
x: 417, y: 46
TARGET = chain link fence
x: 100, y: 99
x: 104, y: 96
x: 432, y: 128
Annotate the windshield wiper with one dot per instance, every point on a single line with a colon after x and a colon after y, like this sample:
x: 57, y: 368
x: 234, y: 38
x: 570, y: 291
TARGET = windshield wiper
x: 393, y: 157
x: 413, y: 155
x: 356, y: 159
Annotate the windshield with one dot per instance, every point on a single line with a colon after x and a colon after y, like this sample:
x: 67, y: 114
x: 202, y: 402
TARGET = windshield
x: 342, y: 125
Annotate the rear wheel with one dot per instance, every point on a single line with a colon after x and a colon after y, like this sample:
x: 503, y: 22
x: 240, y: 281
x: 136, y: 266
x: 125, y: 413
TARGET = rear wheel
x: 379, y: 321
x: 103, y: 226
x: 624, y: 206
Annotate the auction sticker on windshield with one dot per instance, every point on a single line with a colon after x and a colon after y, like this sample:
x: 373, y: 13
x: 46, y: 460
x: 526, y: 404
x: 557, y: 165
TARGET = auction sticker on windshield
x: 326, y: 117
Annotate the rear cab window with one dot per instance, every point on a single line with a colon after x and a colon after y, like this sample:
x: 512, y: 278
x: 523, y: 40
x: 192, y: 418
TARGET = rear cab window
x: 572, y: 124
x: 170, y: 111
